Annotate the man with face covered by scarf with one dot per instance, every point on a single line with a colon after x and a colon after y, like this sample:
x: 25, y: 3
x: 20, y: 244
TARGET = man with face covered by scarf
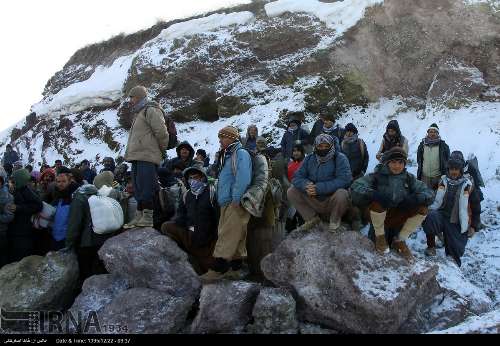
x: 194, y: 227
x: 319, y: 186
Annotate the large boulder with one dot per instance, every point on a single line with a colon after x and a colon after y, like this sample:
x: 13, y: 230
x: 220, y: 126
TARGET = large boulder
x: 225, y: 307
x: 147, y: 259
x: 341, y: 283
x: 39, y: 283
x: 274, y: 313
x: 488, y: 323
x: 97, y: 292
x: 145, y: 311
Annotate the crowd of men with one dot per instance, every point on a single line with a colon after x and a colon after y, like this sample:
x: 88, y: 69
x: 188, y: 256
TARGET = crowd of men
x: 315, y: 179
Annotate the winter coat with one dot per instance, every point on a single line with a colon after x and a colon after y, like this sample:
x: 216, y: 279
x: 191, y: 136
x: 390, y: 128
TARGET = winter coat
x: 254, y: 198
x: 89, y: 175
x: 5, y: 216
x: 338, y: 133
x: 249, y: 144
x: 10, y: 158
x: 468, y: 204
x: 198, y: 212
x: 148, y: 138
x: 357, y: 154
x: 394, y: 187
x: 290, y: 139
x: 444, y: 155
x: 27, y: 204
x: 328, y: 177
x: 80, y: 233
x: 383, y: 147
x: 231, y: 187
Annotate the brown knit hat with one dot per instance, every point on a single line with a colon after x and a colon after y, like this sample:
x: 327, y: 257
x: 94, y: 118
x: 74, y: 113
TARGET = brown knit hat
x: 395, y: 153
x: 230, y: 132
x: 138, y: 91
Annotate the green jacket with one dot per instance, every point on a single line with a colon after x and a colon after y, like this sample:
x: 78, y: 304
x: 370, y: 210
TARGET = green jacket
x: 396, y: 187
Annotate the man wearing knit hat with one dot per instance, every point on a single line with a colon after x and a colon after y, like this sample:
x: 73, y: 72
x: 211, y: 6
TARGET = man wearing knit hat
x: 319, y: 186
x: 392, y: 138
x: 147, y: 143
x: 397, y: 202
x: 432, y: 155
x: 355, y: 150
x: 235, y: 176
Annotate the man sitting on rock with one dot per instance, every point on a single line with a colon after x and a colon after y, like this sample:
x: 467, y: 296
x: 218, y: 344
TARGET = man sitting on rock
x: 449, y: 214
x: 194, y: 227
x: 319, y: 186
x: 396, y: 199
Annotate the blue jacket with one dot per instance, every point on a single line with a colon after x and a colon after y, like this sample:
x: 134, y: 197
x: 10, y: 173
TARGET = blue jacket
x: 231, y: 188
x: 60, y: 227
x: 328, y: 177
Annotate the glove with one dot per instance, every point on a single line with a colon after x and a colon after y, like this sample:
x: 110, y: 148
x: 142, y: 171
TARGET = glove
x: 382, y: 199
x: 409, y: 202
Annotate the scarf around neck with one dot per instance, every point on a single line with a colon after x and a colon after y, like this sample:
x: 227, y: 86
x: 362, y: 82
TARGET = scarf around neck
x: 227, y: 152
x: 428, y: 141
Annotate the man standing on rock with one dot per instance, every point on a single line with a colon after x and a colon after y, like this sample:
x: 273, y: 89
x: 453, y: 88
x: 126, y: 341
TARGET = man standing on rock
x: 235, y: 176
x: 9, y: 158
x: 432, y: 155
x: 396, y: 199
x: 319, y: 186
x: 147, y: 143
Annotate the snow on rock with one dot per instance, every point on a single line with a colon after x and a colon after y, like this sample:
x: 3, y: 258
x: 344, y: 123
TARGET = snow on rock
x: 103, y: 88
x: 206, y: 24
x: 488, y: 323
x: 339, y: 15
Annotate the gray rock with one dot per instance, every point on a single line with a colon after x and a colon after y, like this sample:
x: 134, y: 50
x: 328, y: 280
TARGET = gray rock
x: 488, y: 323
x: 145, y: 258
x: 39, y: 283
x: 225, y: 307
x: 144, y: 311
x: 274, y: 313
x: 308, y: 328
x: 98, y: 291
x: 343, y: 284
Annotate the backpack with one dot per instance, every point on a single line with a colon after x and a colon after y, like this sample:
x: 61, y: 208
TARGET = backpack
x: 170, y: 196
x: 172, y: 130
x: 106, y: 213
x: 473, y: 170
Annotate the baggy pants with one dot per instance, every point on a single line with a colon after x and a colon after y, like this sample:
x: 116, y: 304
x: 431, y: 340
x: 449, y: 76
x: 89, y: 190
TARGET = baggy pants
x: 231, y: 244
x: 145, y: 180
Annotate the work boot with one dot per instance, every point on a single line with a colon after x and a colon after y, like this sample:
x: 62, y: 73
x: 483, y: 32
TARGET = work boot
x: 308, y: 225
x: 134, y: 221
x: 381, y: 245
x: 470, y: 232
x: 430, y: 252
x: 400, y: 247
x: 211, y: 276
x: 147, y: 219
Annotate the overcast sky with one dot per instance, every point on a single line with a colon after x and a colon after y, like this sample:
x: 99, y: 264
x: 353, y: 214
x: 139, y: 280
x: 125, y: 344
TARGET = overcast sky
x: 39, y: 37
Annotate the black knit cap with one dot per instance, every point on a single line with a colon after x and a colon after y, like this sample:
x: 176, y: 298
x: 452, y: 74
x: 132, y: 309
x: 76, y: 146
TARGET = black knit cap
x: 456, y: 160
x: 395, y: 153
x: 300, y: 148
x: 393, y: 124
x: 350, y: 127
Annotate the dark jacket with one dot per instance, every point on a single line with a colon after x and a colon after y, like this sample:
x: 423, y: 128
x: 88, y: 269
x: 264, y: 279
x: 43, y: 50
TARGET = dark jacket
x: 357, y: 154
x: 394, y: 187
x: 5, y: 216
x: 290, y: 139
x: 199, y: 213
x: 10, y: 158
x: 328, y: 177
x: 80, y: 233
x: 89, y: 175
x: 169, y: 165
x: 444, y: 156
x: 338, y: 132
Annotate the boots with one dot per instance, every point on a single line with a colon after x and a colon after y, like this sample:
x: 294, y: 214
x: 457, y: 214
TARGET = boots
x: 135, y: 220
x: 378, y: 220
x: 219, y: 270
x: 381, y: 244
x: 308, y: 225
x: 430, y: 251
x: 146, y: 220
x: 402, y: 249
x: 410, y: 226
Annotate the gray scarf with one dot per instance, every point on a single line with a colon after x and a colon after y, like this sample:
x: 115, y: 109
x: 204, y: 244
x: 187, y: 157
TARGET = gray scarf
x: 352, y: 139
x: 324, y: 138
x: 428, y: 141
x: 455, y: 213
x: 140, y: 105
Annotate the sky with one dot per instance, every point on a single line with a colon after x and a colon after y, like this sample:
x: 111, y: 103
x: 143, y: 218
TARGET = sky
x: 39, y: 37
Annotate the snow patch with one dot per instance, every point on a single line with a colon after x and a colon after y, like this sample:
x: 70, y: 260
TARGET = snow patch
x: 488, y: 323
x: 340, y: 15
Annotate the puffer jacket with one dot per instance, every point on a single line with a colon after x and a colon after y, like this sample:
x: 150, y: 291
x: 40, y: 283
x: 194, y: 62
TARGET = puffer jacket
x: 357, y: 159
x: 148, y: 138
x: 231, y: 187
x: 328, y: 177
x: 254, y: 198
x: 5, y: 216
x: 395, y: 187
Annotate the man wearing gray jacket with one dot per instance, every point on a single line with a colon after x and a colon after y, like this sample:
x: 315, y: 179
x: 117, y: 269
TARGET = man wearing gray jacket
x: 147, y: 143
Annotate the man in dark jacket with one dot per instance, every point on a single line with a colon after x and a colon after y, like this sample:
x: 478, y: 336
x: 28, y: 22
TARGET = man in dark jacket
x: 87, y: 172
x: 449, y: 215
x: 396, y: 200
x: 355, y: 150
x: 250, y: 141
x: 5, y: 216
x: 80, y: 236
x: 326, y: 124
x: 202, y: 156
x: 319, y: 186
x: 10, y: 156
x: 21, y: 234
x: 109, y: 165
x: 432, y: 155
x: 392, y: 138
x: 195, y: 226
x: 293, y: 135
